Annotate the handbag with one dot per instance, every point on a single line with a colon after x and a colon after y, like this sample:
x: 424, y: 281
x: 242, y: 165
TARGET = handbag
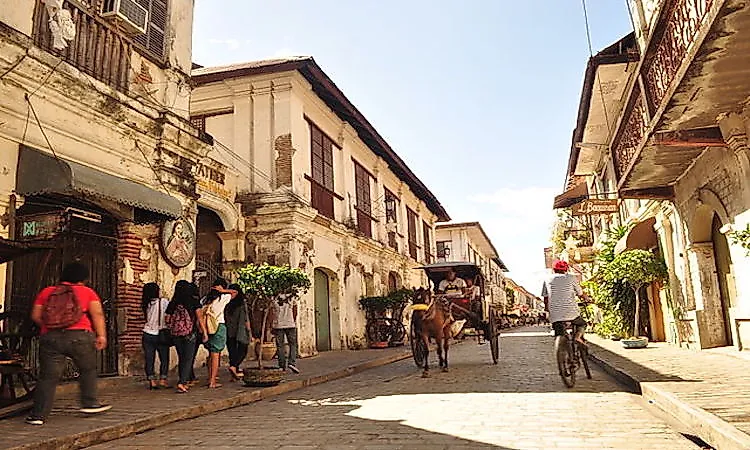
x: 165, y: 337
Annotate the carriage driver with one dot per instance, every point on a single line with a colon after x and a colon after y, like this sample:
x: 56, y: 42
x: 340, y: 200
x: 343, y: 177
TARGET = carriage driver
x: 452, y: 285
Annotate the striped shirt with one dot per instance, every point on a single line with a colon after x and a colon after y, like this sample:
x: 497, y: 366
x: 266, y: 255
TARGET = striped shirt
x: 562, y: 288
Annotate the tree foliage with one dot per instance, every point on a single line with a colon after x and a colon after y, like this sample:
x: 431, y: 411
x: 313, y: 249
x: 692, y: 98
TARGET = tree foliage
x: 636, y: 268
x: 265, y: 283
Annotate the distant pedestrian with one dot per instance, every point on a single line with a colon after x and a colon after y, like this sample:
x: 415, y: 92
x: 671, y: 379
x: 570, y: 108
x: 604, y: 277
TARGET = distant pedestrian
x: 214, y: 325
x: 156, y: 337
x: 237, y: 320
x: 284, y: 325
x: 183, y: 317
x: 72, y: 324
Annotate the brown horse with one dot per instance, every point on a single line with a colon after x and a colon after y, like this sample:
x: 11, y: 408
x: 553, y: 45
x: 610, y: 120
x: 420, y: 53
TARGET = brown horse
x: 434, y: 322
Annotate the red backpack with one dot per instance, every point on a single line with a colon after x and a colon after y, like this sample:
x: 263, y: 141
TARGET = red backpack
x: 62, y: 309
x: 180, y: 323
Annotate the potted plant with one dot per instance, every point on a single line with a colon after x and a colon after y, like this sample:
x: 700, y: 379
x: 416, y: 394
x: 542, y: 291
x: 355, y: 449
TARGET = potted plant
x: 636, y: 269
x: 265, y: 284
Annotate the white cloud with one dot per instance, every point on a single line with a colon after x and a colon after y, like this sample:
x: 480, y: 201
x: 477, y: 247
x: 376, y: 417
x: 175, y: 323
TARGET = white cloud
x: 231, y: 44
x: 518, y: 220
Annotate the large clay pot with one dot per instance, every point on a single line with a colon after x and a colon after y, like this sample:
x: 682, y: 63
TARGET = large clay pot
x: 262, y: 377
x: 267, y: 351
x: 635, y: 342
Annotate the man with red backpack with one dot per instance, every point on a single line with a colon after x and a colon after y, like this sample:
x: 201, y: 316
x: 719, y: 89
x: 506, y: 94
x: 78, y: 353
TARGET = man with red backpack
x: 72, y: 324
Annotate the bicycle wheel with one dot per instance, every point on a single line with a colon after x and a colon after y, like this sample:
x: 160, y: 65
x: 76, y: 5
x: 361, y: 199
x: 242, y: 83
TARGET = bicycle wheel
x: 584, y: 354
x: 564, y: 361
x: 398, y: 333
x: 418, y: 350
x: 494, y: 337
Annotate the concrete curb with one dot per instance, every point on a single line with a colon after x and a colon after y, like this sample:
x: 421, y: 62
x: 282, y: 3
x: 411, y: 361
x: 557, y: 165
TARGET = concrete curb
x: 129, y: 428
x: 709, y: 427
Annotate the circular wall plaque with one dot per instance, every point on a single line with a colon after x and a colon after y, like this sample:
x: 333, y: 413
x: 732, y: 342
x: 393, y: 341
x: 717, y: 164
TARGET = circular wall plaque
x: 178, y: 242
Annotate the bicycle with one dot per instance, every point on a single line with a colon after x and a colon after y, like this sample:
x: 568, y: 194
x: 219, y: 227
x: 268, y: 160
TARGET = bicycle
x: 569, y: 353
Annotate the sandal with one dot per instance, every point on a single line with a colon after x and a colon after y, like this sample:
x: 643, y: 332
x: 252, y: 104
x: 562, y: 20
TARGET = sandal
x: 152, y: 386
x: 214, y: 386
x: 182, y: 389
x: 233, y: 373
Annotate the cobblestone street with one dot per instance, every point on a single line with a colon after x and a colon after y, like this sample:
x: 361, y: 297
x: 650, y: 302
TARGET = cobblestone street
x: 519, y: 404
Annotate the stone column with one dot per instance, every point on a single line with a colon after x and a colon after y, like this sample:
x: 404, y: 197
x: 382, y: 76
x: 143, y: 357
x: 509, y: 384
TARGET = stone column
x: 734, y: 129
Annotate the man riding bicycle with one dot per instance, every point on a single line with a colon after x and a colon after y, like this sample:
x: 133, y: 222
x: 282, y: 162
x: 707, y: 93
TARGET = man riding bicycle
x: 559, y: 292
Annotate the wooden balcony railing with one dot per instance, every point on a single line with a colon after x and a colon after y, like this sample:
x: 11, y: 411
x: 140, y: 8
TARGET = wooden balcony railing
x: 97, y: 49
x: 667, y: 53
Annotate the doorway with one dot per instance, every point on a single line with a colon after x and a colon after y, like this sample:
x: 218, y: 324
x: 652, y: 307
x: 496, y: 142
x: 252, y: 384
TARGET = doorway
x: 322, y: 311
x: 723, y: 274
x: 208, y: 253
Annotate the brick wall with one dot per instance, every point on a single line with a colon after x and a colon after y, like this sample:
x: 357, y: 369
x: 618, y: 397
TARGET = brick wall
x: 131, y: 267
x: 284, y: 153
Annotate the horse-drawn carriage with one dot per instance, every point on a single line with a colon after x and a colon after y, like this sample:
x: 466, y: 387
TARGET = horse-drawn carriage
x: 434, y: 313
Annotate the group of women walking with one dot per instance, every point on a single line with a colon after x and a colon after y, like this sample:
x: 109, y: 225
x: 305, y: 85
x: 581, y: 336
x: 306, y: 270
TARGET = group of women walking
x: 217, y: 321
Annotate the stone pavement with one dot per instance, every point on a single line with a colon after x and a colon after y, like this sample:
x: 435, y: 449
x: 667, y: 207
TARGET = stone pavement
x: 708, y: 390
x: 137, y: 409
x: 519, y: 404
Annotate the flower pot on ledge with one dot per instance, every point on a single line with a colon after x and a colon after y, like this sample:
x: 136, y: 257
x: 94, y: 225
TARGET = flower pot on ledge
x: 635, y: 342
x: 254, y: 377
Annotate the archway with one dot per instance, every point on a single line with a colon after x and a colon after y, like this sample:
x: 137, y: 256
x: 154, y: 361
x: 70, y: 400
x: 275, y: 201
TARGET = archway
x: 723, y: 274
x: 322, y: 289
x: 208, y: 253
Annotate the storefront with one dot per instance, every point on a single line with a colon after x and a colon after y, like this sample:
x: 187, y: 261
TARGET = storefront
x: 85, y: 215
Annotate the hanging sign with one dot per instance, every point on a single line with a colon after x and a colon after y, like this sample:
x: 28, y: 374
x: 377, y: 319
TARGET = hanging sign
x: 593, y: 207
x: 178, y: 242
x: 40, y: 226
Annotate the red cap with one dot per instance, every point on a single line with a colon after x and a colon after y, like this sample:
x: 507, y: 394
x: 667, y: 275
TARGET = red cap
x: 561, y: 266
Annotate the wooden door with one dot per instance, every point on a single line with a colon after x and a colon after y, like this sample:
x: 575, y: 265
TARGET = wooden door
x: 322, y: 311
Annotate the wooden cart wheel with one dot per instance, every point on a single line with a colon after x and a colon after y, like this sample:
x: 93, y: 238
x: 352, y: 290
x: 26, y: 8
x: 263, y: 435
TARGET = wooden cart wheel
x: 418, y: 350
x: 493, y: 328
x: 17, y: 379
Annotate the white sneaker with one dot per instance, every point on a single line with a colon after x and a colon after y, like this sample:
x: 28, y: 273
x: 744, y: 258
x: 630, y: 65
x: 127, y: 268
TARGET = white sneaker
x: 293, y: 368
x: 95, y: 409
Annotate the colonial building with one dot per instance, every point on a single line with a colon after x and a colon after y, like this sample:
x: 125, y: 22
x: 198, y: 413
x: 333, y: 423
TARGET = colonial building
x: 676, y: 154
x: 467, y: 242
x: 319, y: 189
x: 98, y: 154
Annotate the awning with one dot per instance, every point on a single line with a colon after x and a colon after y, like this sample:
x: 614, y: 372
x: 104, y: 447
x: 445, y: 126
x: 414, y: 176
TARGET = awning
x: 10, y: 249
x: 641, y: 236
x: 39, y: 173
x: 576, y: 194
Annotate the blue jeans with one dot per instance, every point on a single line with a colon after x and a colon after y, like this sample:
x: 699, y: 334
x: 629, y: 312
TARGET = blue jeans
x: 291, y: 339
x: 151, y: 347
x: 185, y: 346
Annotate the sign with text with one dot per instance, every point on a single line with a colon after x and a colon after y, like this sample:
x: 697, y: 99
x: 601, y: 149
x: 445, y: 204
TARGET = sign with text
x: 40, y: 226
x: 593, y: 207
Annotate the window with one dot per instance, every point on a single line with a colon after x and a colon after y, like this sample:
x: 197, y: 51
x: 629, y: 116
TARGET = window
x: 364, y: 202
x: 427, y: 242
x: 391, y: 218
x: 443, y: 250
x: 153, y: 40
x: 411, y: 221
x: 321, y: 147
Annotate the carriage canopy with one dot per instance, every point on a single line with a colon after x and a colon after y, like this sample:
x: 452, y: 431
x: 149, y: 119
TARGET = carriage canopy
x: 436, y: 272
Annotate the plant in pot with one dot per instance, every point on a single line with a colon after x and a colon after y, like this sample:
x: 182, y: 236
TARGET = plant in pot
x: 265, y: 284
x: 636, y: 269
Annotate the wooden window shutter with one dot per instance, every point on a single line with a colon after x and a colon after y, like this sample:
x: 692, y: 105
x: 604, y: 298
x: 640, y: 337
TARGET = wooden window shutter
x: 153, y: 41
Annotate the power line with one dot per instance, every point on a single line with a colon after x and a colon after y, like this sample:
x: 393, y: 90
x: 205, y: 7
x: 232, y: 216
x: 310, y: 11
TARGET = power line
x: 61, y: 164
x: 14, y: 65
x: 158, y: 178
x: 598, y: 78
x: 49, y: 74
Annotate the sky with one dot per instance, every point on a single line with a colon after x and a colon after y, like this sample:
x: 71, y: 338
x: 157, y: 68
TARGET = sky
x: 479, y: 97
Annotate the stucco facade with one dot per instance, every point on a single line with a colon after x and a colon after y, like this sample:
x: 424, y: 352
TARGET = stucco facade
x: 263, y: 116
x: 119, y: 120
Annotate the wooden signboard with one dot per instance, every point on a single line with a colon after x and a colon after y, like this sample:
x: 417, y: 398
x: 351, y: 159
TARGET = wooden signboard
x: 593, y: 207
x: 40, y: 226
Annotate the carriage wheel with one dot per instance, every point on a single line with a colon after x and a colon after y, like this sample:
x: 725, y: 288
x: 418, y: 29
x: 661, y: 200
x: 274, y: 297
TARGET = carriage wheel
x: 418, y: 350
x: 494, y: 336
x: 17, y: 379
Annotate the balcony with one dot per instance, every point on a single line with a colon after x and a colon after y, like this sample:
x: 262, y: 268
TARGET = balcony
x: 97, y: 49
x: 694, y: 68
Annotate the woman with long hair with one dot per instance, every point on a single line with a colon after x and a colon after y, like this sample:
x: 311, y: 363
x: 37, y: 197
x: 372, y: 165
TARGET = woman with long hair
x: 237, y: 319
x: 216, y: 329
x: 183, y: 313
x: 155, y: 338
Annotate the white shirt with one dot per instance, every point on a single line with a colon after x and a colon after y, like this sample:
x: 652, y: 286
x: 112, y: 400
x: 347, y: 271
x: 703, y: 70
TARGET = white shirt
x: 217, y: 307
x: 562, y: 288
x: 283, y: 316
x: 154, y: 320
x: 452, y: 287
